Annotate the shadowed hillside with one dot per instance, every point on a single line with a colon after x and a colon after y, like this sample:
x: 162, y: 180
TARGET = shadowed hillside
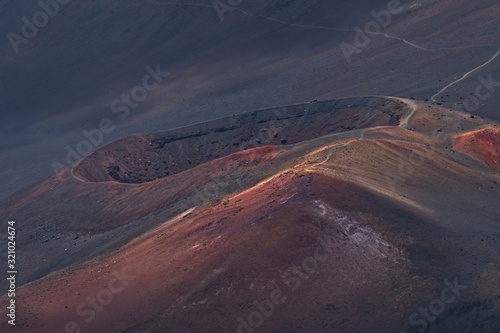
x: 144, y: 158
x: 264, y: 54
x: 279, y: 166
x: 329, y: 227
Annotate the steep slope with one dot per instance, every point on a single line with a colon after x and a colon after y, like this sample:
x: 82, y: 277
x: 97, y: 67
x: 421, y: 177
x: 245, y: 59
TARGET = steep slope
x: 373, y: 223
x: 264, y: 54
x: 92, y: 216
x: 143, y: 158
x: 482, y: 145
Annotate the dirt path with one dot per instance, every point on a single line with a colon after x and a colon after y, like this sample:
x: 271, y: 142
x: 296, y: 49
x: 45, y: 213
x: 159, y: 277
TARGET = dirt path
x: 413, y: 108
x: 433, y: 98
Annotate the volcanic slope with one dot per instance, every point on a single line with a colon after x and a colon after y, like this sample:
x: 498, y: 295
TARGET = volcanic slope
x: 352, y: 230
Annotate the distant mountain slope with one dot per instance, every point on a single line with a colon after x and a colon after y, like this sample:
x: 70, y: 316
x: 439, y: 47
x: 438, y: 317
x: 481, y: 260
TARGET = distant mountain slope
x: 264, y: 54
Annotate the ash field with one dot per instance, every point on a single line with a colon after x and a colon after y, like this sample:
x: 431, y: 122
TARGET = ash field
x: 268, y: 166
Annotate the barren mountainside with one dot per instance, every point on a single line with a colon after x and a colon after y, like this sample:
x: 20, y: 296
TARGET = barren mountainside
x: 344, y: 201
x: 270, y: 166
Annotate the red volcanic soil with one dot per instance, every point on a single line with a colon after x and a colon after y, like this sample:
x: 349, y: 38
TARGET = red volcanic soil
x: 347, y: 231
x: 93, y: 211
x: 202, y: 270
x: 325, y: 249
x: 482, y: 145
x: 143, y: 158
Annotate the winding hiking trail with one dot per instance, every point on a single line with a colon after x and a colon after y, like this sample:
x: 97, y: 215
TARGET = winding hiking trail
x: 299, y: 25
x: 433, y: 98
x: 413, y: 109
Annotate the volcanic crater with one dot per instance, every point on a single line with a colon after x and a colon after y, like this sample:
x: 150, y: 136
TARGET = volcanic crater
x: 146, y: 157
x: 212, y: 216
